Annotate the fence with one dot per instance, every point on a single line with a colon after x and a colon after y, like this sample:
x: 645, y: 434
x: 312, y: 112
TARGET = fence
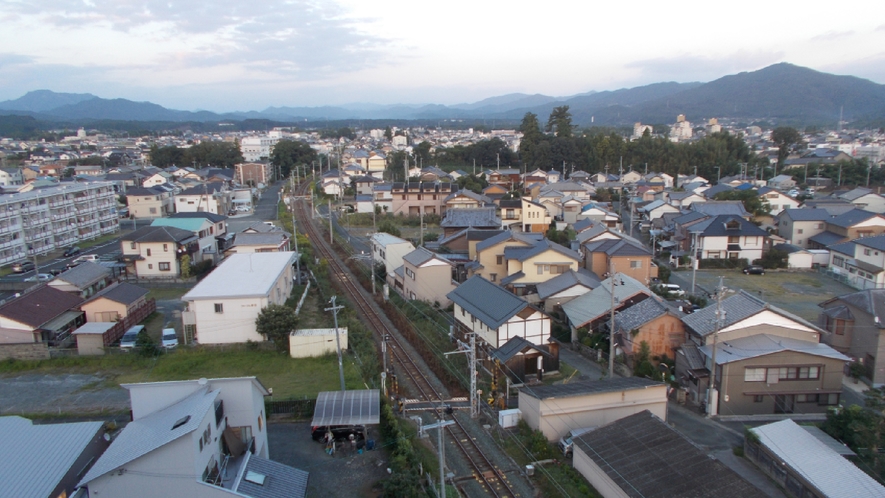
x: 297, y: 408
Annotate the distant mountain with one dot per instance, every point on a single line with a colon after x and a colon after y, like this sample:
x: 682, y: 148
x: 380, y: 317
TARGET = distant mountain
x: 783, y: 92
x: 43, y: 100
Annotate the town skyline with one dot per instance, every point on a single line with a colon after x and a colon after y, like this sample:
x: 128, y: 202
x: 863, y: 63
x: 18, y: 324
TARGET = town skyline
x: 226, y: 58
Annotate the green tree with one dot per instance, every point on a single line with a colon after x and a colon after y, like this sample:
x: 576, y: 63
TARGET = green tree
x: 750, y: 198
x: 642, y: 366
x: 387, y: 226
x: 560, y: 121
x: 215, y: 154
x: 531, y: 138
x: 785, y: 138
x: 185, y: 264
x: 388, y: 134
x: 275, y: 322
x: 422, y: 152
x: 288, y: 154
x: 163, y: 157
x: 145, y: 345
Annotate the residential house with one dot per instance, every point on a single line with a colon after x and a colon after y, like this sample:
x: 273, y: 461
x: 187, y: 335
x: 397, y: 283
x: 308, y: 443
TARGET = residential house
x: 511, y: 214
x: 768, y: 360
x: 269, y: 241
x: 652, y: 322
x: 798, y: 226
x: 624, y: 255
x: 212, y: 197
x: 507, y: 177
x: 656, y: 209
x: 777, y: 201
x: 559, y: 408
x: 202, y: 228
x: 149, y: 203
x: 539, y: 262
x: 114, y: 302
x: 205, y: 438
x: 45, y: 315
x: 465, y: 199
x: 65, y: 450
x: 465, y: 241
x: 416, y: 198
x: 83, y: 280
x: 10, y: 177
x: 594, y: 308
x: 222, y: 237
x: 684, y: 199
x: 866, y: 199
x: 729, y: 237
x: 425, y: 276
x: 480, y: 218
x: 157, y: 251
x: 631, y: 177
x: 223, y: 307
x: 389, y: 250
x: 601, y: 214
x: 363, y: 184
x: 641, y: 455
x: 376, y: 163
x: 782, y: 182
x: 861, y: 262
x: 489, y: 259
x: 850, y: 225
x: 534, y: 216
x: 571, y: 207
x: 157, y: 179
x: 807, y: 462
x: 561, y: 289
x: 854, y: 325
x: 494, y: 192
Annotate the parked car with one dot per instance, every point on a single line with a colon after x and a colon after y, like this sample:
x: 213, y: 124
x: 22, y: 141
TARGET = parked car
x: 23, y: 267
x: 671, y: 289
x: 39, y: 277
x: 793, y: 192
x: 72, y: 251
x: 169, y: 340
x: 82, y: 259
x: 130, y: 337
x: 339, y: 432
x: 754, y: 270
x: 57, y: 271
x: 566, y: 443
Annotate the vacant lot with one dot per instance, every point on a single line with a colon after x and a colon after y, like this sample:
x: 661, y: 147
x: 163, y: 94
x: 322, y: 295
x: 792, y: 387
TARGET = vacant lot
x: 91, y: 385
x: 796, y: 292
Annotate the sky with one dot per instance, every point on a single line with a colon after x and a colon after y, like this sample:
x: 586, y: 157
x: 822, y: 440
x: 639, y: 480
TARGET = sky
x: 232, y: 55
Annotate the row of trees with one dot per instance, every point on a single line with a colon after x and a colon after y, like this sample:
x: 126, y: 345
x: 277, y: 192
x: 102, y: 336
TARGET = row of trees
x: 216, y: 154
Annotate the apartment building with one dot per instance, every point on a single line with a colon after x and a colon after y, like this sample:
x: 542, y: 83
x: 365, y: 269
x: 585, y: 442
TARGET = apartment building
x: 253, y: 173
x: 41, y: 220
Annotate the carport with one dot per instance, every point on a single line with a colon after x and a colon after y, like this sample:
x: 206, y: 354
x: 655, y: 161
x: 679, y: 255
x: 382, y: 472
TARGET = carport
x: 362, y: 407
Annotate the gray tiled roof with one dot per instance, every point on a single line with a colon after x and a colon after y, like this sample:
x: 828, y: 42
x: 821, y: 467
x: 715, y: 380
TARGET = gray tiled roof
x: 39, y: 456
x: 757, y: 345
x: 420, y: 256
x: 872, y: 301
x: 540, y: 247
x: 877, y: 242
x: 717, y: 189
x: 490, y: 304
x: 150, y: 432
x: 84, y: 274
x: 158, y: 234
x: 645, y: 457
x: 736, y: 308
x: 514, y: 346
x: 470, y: 217
x: 855, y: 194
x: 851, y: 218
x: 846, y: 248
x: 717, y: 227
x: 719, y: 208
x: 121, y: 292
x: 274, y: 238
x: 640, y: 313
x: 617, y: 247
x: 826, y: 239
x: 823, y: 468
x: 281, y: 480
x: 693, y: 356
x: 38, y: 307
x: 527, y: 238
x: 567, y: 280
x: 582, y: 388
x: 806, y: 214
x: 597, y: 302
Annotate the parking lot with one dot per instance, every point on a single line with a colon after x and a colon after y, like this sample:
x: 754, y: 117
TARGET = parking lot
x: 798, y: 292
x: 344, y: 475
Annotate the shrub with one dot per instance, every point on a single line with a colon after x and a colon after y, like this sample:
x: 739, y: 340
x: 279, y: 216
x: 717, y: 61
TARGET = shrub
x: 664, y: 274
x: 723, y: 263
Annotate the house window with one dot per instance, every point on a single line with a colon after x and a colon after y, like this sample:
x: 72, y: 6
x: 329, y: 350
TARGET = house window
x: 754, y: 375
x: 164, y: 266
x: 410, y: 273
x: 734, y: 239
x: 838, y: 261
x: 132, y: 245
x: 799, y: 231
x: 540, y: 269
x: 635, y: 264
x: 148, y: 252
x: 819, y: 226
x: 153, y: 210
x: 219, y: 307
x: 867, y: 252
x: 150, y: 266
x: 165, y: 247
x: 493, y: 277
x: 500, y: 260
x: 758, y: 398
x: 798, y: 373
x: 839, y: 328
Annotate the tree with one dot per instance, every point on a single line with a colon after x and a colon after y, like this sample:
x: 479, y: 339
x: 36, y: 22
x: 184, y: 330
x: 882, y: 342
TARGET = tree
x: 531, y: 138
x: 388, y: 134
x: 145, y: 345
x: 217, y: 154
x: 560, y: 121
x: 185, y: 264
x: 785, y: 138
x: 387, y: 226
x: 288, y: 154
x: 275, y: 322
x: 163, y: 157
x: 642, y: 366
x: 750, y: 198
x: 422, y: 152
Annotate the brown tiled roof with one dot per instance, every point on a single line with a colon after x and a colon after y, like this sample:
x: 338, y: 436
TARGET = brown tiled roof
x: 40, y: 306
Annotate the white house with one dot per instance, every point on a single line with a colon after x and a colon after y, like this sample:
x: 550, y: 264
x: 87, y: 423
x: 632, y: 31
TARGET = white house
x: 777, y: 201
x: 196, y: 438
x: 223, y: 307
x: 729, y: 237
x: 389, y: 250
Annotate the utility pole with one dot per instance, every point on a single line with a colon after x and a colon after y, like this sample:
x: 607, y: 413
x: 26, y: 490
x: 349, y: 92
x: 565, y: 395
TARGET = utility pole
x: 869, y: 168
x: 442, y: 450
x: 712, y: 393
x: 694, y: 259
x: 331, y: 231
x: 421, y: 242
x: 471, y: 354
x: 840, y: 175
x: 611, y: 333
x: 334, y: 309
x: 295, y: 237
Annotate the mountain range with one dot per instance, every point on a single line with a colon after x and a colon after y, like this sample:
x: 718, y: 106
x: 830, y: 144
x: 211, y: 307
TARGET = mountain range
x: 781, y: 92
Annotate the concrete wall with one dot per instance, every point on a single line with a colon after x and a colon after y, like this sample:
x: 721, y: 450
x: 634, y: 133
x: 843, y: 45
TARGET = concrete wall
x: 432, y: 282
x: 25, y: 351
x: 304, y: 346
x: 235, y: 324
x: 90, y: 344
x: 556, y: 417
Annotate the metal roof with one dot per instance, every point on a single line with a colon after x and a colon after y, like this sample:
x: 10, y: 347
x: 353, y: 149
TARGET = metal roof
x: 641, y: 313
x: 757, y: 345
x: 39, y: 456
x: 582, y: 388
x: 280, y: 481
x: 38, y: 307
x: 84, y: 274
x: 737, y: 308
x: 153, y: 431
x: 806, y: 214
x: 647, y: 458
x: 597, y: 302
x: 851, y: 218
x: 871, y: 301
x: 490, y: 304
x: 827, y: 239
x: 120, y: 292
x: 347, y: 408
x: 567, y: 280
x: 820, y: 466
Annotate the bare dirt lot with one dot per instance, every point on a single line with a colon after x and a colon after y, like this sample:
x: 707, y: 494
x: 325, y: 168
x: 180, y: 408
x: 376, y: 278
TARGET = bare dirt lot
x: 71, y: 394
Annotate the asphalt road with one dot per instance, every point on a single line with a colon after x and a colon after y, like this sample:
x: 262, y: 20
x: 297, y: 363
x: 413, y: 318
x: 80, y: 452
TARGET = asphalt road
x: 61, y: 262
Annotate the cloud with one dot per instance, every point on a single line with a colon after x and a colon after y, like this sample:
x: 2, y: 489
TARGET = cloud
x: 9, y: 59
x: 871, y: 68
x: 832, y: 35
x: 695, y: 68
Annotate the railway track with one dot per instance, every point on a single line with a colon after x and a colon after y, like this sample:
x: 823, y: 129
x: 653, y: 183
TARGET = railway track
x: 484, y: 471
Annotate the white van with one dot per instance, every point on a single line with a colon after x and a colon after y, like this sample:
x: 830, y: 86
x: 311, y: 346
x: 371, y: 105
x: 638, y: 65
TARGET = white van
x: 566, y: 443
x: 672, y: 289
x: 130, y: 337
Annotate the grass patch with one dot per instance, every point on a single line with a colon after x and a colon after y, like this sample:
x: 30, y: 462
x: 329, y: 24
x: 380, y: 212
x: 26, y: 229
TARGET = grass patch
x: 86, y: 244
x: 289, y: 377
x: 168, y: 293
x: 558, y: 479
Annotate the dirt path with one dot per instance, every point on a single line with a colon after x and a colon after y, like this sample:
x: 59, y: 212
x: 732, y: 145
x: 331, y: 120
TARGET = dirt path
x: 72, y: 394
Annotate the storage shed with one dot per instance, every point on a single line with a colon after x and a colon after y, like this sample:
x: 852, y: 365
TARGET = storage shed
x: 90, y: 337
x: 305, y: 343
